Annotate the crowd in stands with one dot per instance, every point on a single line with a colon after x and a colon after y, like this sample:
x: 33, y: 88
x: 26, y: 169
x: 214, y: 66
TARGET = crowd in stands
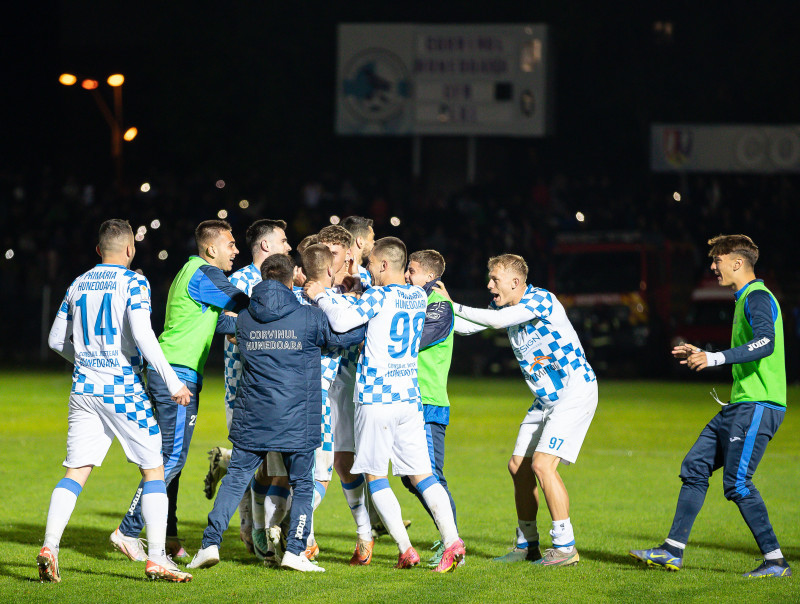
x: 50, y: 225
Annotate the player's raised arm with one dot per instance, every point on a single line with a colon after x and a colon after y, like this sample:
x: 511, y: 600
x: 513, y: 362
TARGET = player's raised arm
x: 344, y: 316
x: 210, y: 286
x: 463, y: 327
x: 507, y: 285
x: 499, y: 318
x: 345, y: 340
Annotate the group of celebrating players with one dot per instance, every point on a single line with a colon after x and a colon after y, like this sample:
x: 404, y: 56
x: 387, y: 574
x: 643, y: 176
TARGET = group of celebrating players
x: 336, y: 359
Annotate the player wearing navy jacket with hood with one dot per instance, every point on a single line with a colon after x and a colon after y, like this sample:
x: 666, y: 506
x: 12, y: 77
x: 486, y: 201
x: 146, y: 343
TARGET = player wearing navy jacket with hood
x: 278, y: 404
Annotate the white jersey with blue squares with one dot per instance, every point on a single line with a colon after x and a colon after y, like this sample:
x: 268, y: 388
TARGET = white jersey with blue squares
x: 108, y: 362
x: 245, y: 279
x: 350, y: 356
x: 366, y: 278
x: 329, y: 368
x: 546, y: 345
x: 387, y: 367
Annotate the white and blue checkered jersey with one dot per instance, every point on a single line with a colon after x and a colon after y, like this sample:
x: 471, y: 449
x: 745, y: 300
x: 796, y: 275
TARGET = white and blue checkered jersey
x: 366, y: 278
x: 96, y: 316
x: 350, y: 356
x: 387, y: 367
x: 245, y: 279
x: 329, y: 366
x: 546, y: 345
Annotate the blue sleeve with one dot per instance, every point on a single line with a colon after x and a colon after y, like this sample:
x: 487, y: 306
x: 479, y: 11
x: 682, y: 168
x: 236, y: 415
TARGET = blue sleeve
x: 761, y: 312
x: 439, y: 320
x: 226, y: 324
x: 209, y: 287
x: 344, y: 340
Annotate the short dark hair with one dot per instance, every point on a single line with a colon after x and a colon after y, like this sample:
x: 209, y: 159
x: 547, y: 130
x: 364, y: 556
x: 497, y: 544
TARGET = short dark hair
x: 734, y: 244
x: 393, y: 250
x: 430, y: 260
x: 208, y: 230
x: 260, y: 229
x: 111, y: 235
x: 316, y: 258
x: 357, y: 225
x: 278, y: 267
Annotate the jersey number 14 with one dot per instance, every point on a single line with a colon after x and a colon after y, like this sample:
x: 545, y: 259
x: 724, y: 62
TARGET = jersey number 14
x: 103, y: 324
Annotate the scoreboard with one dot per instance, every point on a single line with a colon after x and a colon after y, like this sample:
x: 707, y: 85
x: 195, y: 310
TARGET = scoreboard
x: 412, y: 79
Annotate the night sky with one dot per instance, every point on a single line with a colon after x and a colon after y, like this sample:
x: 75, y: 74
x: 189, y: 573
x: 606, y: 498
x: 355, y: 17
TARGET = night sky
x: 234, y: 88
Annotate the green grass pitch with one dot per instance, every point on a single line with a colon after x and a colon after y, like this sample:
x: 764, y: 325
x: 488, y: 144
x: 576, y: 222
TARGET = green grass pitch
x: 623, y: 492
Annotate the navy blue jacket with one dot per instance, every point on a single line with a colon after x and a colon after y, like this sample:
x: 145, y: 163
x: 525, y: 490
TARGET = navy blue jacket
x: 279, y: 400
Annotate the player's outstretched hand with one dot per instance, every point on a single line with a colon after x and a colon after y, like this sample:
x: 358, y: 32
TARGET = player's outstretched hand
x: 693, y: 357
x: 313, y: 289
x: 684, y: 350
x: 183, y: 396
x: 442, y: 290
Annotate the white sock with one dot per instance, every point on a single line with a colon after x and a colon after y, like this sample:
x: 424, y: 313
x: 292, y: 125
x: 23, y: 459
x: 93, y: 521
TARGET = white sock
x: 225, y: 457
x: 527, y: 533
x: 154, y: 512
x: 354, y: 494
x: 319, y: 494
x: 275, y: 505
x: 677, y: 544
x: 773, y: 555
x: 439, y: 504
x: 563, y: 537
x: 374, y: 518
x: 246, y: 511
x: 62, y: 503
x: 388, y: 508
x: 258, y: 493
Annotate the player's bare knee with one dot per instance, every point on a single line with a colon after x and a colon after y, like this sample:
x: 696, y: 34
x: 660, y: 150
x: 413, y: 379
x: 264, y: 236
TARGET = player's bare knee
x: 544, y: 466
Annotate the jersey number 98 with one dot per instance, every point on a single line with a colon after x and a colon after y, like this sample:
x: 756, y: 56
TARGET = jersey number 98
x: 400, y: 332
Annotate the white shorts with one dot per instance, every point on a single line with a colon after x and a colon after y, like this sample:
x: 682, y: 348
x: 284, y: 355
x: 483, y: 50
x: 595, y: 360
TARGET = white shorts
x: 559, y: 430
x: 323, y: 465
x: 395, y: 433
x: 92, y: 426
x: 228, y: 417
x: 340, y: 397
x: 275, y: 465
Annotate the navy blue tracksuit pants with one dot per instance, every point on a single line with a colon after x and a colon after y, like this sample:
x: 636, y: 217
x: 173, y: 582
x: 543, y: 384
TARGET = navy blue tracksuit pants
x: 177, y: 426
x: 299, y: 467
x: 734, y: 440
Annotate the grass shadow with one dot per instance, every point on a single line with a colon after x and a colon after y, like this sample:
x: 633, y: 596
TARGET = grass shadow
x: 25, y: 573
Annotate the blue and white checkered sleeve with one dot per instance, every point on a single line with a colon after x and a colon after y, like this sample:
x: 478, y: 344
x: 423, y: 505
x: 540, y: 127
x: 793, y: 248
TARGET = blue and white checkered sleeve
x: 139, y: 294
x: 540, y: 303
x: 371, y: 302
x: 64, y: 310
x: 239, y: 281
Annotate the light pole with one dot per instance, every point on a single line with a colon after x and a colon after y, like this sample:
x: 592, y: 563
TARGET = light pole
x: 114, y: 119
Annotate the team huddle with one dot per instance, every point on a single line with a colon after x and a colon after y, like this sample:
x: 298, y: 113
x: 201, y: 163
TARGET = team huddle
x: 335, y: 360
